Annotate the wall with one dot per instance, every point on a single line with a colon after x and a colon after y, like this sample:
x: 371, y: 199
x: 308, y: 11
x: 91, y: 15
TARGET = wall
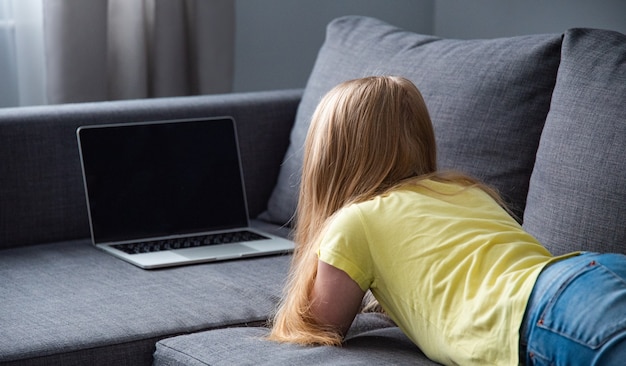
x: 495, y: 18
x: 277, y: 40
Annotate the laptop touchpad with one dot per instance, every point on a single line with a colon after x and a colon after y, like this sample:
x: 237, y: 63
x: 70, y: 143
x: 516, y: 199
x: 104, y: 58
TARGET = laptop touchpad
x: 217, y: 251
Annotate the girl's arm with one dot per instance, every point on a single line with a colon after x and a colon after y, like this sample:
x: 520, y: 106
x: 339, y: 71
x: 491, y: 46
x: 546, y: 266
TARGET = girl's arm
x: 335, y: 298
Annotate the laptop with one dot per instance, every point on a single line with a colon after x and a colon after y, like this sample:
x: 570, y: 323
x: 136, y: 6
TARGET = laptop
x: 169, y: 193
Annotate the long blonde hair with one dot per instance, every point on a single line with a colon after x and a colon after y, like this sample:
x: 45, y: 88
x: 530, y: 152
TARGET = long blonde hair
x: 367, y: 136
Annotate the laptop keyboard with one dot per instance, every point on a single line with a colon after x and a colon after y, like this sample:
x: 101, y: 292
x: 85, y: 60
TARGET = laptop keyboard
x: 189, y: 242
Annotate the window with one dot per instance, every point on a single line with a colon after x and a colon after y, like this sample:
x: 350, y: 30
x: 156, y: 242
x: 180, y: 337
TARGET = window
x: 8, y: 68
x: 22, y: 72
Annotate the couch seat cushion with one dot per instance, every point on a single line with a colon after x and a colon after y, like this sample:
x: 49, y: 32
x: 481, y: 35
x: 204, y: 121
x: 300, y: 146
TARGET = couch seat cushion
x: 372, y: 340
x: 69, y: 303
x: 577, y: 196
x: 488, y: 99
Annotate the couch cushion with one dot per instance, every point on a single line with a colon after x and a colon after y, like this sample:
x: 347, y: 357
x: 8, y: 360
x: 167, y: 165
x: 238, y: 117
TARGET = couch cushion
x: 577, y: 195
x: 371, y: 341
x: 488, y: 99
x: 71, y: 304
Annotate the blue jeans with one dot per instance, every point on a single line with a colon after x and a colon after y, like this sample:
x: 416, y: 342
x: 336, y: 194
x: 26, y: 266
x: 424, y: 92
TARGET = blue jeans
x: 576, y: 314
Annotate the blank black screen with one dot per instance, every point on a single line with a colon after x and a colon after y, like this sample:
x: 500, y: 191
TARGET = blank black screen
x: 161, y: 179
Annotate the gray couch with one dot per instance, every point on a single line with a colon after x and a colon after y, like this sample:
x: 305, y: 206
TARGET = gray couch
x: 542, y: 118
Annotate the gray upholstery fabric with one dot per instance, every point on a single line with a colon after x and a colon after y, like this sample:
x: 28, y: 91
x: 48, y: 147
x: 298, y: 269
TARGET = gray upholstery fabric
x: 69, y: 303
x: 577, y: 196
x: 488, y: 99
x: 371, y: 341
x: 40, y: 179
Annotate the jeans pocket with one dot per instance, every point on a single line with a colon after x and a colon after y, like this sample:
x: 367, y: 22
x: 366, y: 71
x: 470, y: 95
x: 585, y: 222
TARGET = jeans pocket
x: 589, y: 307
x: 536, y: 359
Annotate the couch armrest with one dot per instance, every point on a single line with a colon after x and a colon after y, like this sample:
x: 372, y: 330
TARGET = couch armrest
x: 41, y: 190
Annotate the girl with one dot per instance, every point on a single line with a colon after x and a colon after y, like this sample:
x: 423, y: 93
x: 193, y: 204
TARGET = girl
x: 440, y: 254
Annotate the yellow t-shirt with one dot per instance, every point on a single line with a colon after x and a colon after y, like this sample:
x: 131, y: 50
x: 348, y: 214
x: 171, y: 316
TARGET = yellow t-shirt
x: 447, y: 264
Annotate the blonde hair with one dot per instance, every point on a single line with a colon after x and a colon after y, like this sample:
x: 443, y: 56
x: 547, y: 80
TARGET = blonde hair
x: 367, y: 136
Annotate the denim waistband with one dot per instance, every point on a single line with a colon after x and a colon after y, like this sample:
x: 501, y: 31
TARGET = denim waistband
x: 550, y: 280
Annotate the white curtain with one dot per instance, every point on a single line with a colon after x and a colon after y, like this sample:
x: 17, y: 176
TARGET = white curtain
x: 22, y: 68
x: 126, y: 49
x: 8, y: 80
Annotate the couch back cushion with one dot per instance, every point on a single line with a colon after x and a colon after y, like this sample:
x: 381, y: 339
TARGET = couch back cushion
x: 577, y: 195
x: 42, y: 197
x: 488, y: 99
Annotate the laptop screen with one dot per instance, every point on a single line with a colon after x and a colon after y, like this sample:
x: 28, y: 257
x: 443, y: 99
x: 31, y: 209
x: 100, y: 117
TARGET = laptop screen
x: 160, y: 179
